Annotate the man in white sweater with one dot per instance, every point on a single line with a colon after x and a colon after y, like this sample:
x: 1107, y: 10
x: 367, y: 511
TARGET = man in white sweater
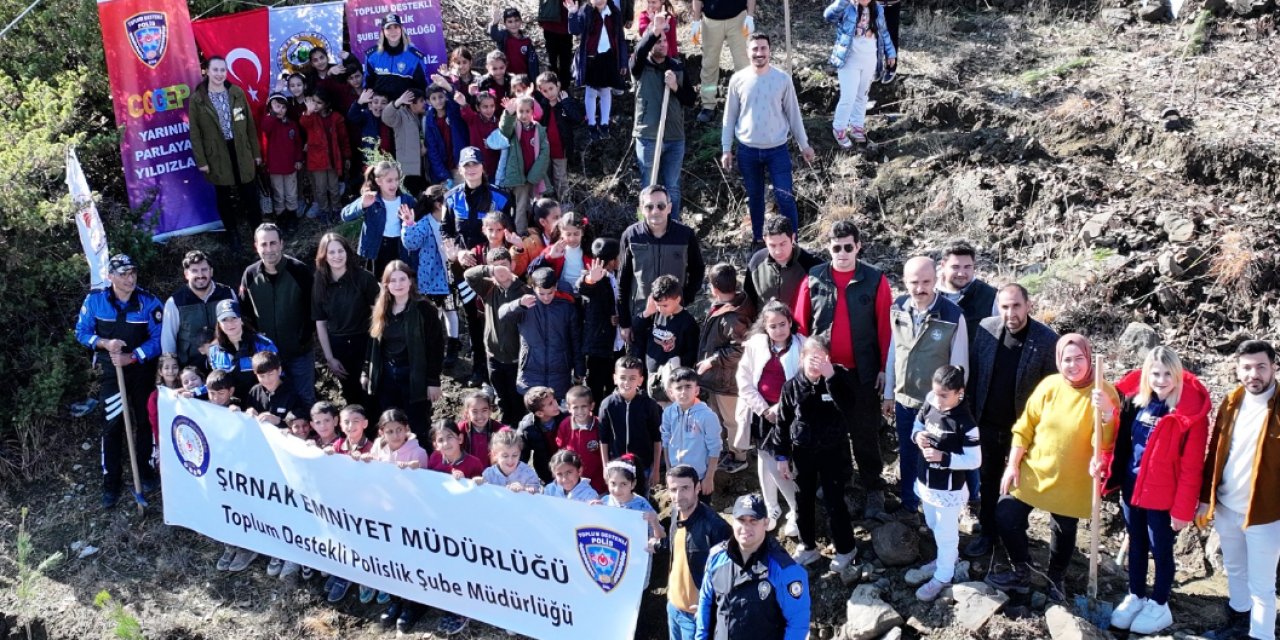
x: 1239, y: 495
x: 762, y: 112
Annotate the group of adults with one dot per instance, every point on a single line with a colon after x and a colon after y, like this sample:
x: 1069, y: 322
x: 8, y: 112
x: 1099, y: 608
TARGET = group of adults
x: 1032, y: 393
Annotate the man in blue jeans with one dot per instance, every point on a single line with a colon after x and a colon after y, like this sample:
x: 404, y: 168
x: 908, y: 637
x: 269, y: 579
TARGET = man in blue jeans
x: 694, y: 529
x: 762, y: 112
x: 657, y: 73
x: 927, y: 331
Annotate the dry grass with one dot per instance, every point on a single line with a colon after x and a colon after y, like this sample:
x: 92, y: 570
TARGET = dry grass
x: 1234, y: 264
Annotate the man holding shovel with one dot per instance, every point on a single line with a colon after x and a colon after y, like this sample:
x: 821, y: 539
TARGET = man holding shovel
x: 123, y: 320
x: 658, y: 76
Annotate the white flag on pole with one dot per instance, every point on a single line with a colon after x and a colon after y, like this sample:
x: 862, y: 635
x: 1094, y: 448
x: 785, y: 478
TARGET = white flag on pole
x: 93, y: 237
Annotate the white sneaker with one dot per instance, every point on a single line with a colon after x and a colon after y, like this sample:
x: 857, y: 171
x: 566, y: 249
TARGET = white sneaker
x: 805, y: 556
x: 842, y: 561
x: 775, y: 515
x: 1126, y: 611
x: 791, y: 529
x: 1154, y: 618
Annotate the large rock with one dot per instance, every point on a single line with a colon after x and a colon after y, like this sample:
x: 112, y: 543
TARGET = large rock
x: 895, y: 544
x: 867, y: 616
x: 1096, y: 227
x: 1138, y: 338
x: 1064, y: 625
x: 1180, y: 229
x: 976, y: 602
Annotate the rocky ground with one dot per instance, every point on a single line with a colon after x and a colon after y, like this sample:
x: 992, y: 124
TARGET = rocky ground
x: 1126, y: 171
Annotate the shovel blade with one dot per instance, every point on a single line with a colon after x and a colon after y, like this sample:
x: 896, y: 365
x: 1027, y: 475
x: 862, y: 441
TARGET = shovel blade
x: 1097, y: 612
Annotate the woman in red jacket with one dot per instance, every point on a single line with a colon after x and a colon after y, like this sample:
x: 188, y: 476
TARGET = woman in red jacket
x: 1159, y: 456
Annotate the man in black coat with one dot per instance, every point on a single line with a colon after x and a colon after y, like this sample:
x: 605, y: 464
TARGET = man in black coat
x: 1010, y: 355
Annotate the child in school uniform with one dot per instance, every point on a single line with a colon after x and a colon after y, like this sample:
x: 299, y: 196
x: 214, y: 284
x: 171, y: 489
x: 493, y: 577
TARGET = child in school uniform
x: 328, y: 153
x: 947, y: 437
x: 369, y: 134
x: 476, y: 424
x: 354, y: 443
x: 495, y: 284
x: 506, y: 28
x: 561, y: 115
x: 621, y: 478
x: 653, y: 8
x: 524, y: 163
x: 567, y: 256
x: 482, y: 121
x: 580, y: 433
x: 602, y: 343
x: 458, y: 74
x: 600, y: 63
x: 446, y: 135
x: 496, y: 81
x: 284, y: 158
x: 539, y: 426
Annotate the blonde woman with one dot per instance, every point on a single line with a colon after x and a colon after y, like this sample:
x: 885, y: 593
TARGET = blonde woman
x: 1159, y: 458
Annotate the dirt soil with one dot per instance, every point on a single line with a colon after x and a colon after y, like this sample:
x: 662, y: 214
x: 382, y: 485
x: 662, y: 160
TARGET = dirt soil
x: 1042, y: 132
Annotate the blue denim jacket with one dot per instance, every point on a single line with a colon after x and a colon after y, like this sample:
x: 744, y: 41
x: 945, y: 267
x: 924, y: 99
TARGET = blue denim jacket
x: 844, y: 14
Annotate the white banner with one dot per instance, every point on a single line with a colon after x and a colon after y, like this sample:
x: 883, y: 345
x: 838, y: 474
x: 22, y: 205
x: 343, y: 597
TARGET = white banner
x: 296, y: 30
x: 93, y: 236
x: 540, y: 566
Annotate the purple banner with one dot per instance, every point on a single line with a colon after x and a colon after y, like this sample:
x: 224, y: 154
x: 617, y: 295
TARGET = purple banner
x: 153, y: 67
x: 422, y: 24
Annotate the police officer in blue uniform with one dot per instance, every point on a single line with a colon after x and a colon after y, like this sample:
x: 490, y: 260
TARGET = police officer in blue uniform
x: 395, y: 65
x: 752, y: 590
x: 123, y: 320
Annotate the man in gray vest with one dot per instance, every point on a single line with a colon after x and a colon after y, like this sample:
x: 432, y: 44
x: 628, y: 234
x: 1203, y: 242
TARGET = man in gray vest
x: 656, y: 74
x: 656, y: 246
x: 958, y: 283
x: 1009, y: 356
x: 276, y: 294
x: 189, y: 315
x: 928, y: 331
x: 850, y: 299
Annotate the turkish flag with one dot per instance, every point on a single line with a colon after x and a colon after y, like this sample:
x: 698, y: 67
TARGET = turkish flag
x: 243, y: 39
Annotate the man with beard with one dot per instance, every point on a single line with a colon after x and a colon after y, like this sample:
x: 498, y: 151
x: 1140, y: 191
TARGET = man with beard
x: 189, y: 314
x: 695, y: 528
x: 762, y: 113
x: 1239, y: 493
x: 957, y: 283
x: 1009, y: 356
x: 656, y: 74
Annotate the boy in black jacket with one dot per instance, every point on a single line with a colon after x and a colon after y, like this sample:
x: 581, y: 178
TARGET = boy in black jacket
x: 813, y: 432
x: 666, y: 335
x: 631, y: 422
x: 598, y: 290
x: 538, y: 429
x: 562, y: 114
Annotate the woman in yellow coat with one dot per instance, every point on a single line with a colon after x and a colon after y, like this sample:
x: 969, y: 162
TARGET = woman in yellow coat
x: 1051, y: 465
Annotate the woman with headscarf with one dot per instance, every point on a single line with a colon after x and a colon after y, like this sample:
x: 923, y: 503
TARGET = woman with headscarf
x: 1160, y: 453
x: 1051, y: 465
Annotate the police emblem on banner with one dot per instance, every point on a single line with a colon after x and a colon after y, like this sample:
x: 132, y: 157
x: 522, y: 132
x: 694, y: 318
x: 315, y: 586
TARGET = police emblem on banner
x: 604, y: 555
x: 190, y: 445
x: 295, y: 54
x: 149, y: 36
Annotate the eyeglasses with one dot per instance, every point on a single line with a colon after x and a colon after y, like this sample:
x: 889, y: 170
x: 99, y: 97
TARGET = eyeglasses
x: 843, y: 248
x: 660, y: 206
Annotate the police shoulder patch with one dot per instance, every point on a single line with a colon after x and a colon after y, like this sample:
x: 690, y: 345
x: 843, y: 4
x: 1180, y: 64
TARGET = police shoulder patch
x: 795, y: 589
